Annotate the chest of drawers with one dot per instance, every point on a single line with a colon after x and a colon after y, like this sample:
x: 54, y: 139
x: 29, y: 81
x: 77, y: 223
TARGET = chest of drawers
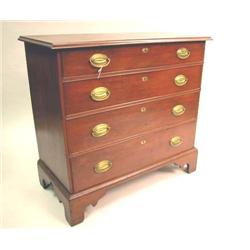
x: 110, y: 107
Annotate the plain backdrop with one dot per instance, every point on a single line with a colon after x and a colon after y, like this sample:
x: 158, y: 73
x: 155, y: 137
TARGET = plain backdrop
x: 167, y: 209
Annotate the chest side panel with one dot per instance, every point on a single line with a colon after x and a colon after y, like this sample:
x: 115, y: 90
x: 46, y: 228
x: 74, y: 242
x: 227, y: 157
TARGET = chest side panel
x: 47, y: 112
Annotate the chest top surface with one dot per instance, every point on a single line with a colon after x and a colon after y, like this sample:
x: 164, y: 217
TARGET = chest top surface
x: 62, y: 41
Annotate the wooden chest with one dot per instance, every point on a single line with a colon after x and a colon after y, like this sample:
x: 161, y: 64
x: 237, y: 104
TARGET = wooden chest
x: 110, y: 107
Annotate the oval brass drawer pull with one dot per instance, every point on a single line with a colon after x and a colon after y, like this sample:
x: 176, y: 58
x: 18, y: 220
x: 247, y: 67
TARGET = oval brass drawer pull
x: 180, y: 80
x: 99, y: 60
x: 103, y: 166
x: 100, y: 94
x: 100, y: 130
x: 176, y: 141
x: 183, y: 53
x: 178, y: 110
x: 144, y: 78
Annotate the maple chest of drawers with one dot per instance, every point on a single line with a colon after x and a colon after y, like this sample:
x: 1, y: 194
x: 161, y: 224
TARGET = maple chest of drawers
x: 110, y: 107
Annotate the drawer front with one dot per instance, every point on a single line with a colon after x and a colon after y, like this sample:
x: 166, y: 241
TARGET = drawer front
x: 76, y: 62
x: 88, y: 95
x: 104, y: 128
x: 103, y: 165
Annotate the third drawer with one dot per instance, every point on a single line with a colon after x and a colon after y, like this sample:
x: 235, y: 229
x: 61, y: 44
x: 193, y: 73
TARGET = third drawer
x: 94, y: 131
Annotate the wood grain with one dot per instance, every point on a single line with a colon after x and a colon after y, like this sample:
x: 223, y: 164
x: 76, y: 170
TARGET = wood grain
x: 75, y: 62
x: 130, y: 156
x: 138, y: 112
x: 128, y: 88
x: 129, y: 121
x: 63, y: 41
x: 75, y: 204
x: 47, y: 112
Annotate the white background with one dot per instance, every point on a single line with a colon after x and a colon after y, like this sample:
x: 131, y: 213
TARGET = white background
x: 208, y: 209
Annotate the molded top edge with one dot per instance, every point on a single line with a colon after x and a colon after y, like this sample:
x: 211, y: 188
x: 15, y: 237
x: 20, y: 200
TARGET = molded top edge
x: 63, y: 41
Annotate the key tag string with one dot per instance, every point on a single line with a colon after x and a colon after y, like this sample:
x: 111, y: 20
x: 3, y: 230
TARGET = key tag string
x: 99, y: 72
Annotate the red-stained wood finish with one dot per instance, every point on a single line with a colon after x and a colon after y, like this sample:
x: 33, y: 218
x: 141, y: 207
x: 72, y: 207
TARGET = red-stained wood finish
x: 76, y: 203
x: 47, y: 111
x: 130, y: 156
x: 138, y: 111
x: 68, y: 41
x: 122, y: 58
x: 129, y: 121
x: 128, y: 88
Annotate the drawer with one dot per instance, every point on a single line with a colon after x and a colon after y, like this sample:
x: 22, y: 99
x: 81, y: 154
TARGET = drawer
x: 104, y: 128
x: 96, y: 94
x: 109, y: 163
x: 76, y: 62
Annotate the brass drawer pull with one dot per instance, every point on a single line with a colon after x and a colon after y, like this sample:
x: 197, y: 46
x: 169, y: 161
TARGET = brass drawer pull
x: 183, y: 53
x: 178, y: 110
x: 99, y: 60
x: 176, y: 141
x: 143, y: 109
x: 100, y: 130
x: 144, y: 78
x: 103, y: 166
x: 180, y: 80
x: 100, y: 94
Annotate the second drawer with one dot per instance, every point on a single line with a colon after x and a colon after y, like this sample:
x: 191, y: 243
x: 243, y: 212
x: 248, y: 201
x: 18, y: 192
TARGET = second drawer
x: 104, y: 128
x: 88, y: 95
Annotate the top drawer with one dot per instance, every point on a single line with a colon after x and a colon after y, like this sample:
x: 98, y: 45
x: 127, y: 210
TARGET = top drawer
x: 87, y: 61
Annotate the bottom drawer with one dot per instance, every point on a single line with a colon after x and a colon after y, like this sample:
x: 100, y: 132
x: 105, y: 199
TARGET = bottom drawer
x: 111, y: 162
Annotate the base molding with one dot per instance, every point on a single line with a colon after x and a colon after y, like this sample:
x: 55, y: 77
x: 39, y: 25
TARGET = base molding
x: 75, y: 203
